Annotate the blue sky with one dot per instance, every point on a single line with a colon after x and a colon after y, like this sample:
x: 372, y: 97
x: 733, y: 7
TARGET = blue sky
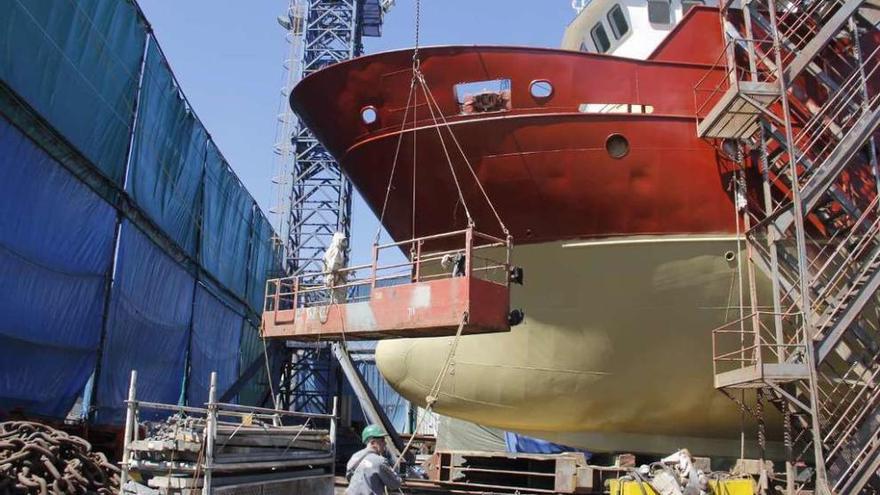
x: 227, y: 55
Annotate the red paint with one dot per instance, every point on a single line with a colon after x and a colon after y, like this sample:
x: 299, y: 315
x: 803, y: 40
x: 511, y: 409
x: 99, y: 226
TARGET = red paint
x: 424, y: 309
x: 543, y: 163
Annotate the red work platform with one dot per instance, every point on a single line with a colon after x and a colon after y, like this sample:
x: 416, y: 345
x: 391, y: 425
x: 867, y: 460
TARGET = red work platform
x: 424, y: 296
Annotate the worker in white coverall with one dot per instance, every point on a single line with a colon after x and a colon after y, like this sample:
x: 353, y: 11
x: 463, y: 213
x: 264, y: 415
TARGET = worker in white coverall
x: 334, y: 260
x: 369, y: 471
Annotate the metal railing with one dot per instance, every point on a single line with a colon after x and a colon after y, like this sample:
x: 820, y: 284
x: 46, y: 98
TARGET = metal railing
x: 462, y: 253
x: 709, y: 88
x: 208, y: 419
x: 752, y: 341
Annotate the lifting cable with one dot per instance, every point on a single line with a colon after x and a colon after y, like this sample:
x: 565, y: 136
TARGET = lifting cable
x: 435, y: 111
x: 439, y: 120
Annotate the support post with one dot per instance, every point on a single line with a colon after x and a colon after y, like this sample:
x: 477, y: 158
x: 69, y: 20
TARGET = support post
x: 333, y: 423
x: 210, y: 434
x: 130, y: 427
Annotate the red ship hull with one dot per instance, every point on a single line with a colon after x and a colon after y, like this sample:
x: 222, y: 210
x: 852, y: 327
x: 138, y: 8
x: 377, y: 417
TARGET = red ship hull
x: 543, y: 163
x: 627, y: 307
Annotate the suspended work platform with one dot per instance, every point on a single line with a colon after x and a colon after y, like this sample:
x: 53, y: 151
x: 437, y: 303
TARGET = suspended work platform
x: 464, y: 273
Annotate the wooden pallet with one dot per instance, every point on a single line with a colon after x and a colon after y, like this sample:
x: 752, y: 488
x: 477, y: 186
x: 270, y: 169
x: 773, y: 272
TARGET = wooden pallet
x: 513, y: 473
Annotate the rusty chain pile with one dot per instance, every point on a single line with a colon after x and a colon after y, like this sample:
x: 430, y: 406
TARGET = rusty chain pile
x: 36, y: 459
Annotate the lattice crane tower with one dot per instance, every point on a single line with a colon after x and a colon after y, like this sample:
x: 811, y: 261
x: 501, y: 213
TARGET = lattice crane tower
x: 313, y: 196
x: 313, y: 199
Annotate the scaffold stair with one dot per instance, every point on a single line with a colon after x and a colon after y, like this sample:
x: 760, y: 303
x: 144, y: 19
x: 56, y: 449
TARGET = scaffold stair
x: 816, y: 231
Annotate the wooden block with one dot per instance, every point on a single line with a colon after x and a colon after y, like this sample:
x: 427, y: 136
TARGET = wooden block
x: 586, y: 480
x: 174, y: 482
x: 625, y: 460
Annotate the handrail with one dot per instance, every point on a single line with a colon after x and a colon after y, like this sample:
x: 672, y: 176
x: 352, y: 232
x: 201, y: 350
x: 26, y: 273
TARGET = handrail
x: 733, y: 75
x: 755, y: 339
x: 290, y: 293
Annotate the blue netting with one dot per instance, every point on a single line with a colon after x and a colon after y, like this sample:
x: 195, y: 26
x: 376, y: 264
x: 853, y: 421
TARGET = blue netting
x: 263, y: 261
x: 252, y: 348
x: 168, y: 154
x: 77, y: 63
x: 147, y: 328
x: 394, y: 406
x: 216, y: 340
x: 56, y: 245
x: 227, y: 224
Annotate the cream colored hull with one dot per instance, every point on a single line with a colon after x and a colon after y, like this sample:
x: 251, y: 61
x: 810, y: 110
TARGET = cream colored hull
x: 615, y: 353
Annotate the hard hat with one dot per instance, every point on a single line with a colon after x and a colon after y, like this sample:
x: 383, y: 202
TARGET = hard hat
x: 372, y: 431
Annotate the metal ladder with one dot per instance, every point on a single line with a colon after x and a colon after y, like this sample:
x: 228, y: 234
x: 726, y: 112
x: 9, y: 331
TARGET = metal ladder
x: 812, y: 226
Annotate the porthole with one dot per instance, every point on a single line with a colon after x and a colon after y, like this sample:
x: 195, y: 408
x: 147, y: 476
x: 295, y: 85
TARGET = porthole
x: 541, y: 89
x: 617, y: 146
x: 369, y: 115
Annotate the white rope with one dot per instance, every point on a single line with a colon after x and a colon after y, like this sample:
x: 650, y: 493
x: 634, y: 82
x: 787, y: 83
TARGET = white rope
x: 466, y: 160
x: 394, y: 162
x: 434, y: 392
x: 424, y: 86
x: 268, y: 371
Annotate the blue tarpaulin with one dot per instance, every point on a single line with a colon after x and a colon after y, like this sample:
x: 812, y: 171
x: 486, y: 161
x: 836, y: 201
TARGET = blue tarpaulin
x: 216, y: 340
x: 262, y: 261
x: 56, y: 246
x: 147, y: 328
x: 77, y: 63
x: 251, y: 349
x: 516, y: 442
x: 226, y: 227
x: 168, y: 154
x: 76, y: 66
x: 394, y: 406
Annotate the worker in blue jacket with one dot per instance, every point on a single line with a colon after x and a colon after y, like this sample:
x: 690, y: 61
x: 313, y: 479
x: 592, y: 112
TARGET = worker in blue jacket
x: 369, y: 471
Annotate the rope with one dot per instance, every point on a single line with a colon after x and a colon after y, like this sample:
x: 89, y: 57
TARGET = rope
x: 433, y: 394
x: 415, y: 153
x: 424, y: 86
x: 268, y: 371
x: 412, y: 87
x: 466, y: 161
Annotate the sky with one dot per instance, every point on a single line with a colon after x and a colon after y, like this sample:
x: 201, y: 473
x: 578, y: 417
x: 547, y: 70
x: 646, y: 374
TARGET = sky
x: 227, y: 55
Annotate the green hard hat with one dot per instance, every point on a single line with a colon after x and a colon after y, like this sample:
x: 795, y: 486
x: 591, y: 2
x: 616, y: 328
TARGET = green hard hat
x: 372, y: 431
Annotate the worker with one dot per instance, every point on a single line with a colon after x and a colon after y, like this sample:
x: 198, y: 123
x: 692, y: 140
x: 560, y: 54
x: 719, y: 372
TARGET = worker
x: 454, y: 261
x: 369, y: 471
x: 334, y: 260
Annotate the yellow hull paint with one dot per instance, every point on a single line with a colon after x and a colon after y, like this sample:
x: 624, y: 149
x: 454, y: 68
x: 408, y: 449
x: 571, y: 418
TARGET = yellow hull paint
x: 615, y: 353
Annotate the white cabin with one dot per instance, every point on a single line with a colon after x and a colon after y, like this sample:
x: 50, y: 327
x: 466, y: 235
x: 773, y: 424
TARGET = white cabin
x: 625, y: 28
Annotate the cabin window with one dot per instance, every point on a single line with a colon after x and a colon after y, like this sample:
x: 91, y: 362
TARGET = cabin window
x: 541, y: 89
x: 369, y: 115
x: 686, y: 5
x: 659, y: 12
x: 600, y: 38
x: 617, y: 146
x: 483, y: 96
x: 617, y: 20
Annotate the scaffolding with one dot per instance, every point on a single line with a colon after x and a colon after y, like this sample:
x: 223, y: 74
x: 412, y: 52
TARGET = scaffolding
x: 794, y: 103
x: 313, y: 196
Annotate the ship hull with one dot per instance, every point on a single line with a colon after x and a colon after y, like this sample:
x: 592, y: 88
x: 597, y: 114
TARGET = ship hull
x: 614, y: 353
x: 623, y: 247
